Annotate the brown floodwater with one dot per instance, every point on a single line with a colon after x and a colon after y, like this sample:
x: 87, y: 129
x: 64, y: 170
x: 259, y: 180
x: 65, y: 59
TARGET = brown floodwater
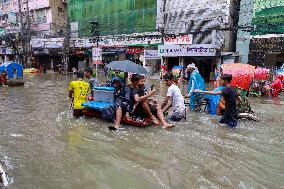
x: 43, y: 146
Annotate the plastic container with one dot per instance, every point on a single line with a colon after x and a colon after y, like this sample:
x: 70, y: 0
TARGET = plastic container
x: 104, y: 94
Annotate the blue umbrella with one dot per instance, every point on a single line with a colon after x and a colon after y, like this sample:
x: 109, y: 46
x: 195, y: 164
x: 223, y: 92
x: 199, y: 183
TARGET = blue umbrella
x: 127, y: 66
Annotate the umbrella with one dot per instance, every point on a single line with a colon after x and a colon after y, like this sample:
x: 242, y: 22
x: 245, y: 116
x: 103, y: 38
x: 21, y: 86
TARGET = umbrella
x: 261, y: 74
x: 242, y: 74
x: 127, y: 66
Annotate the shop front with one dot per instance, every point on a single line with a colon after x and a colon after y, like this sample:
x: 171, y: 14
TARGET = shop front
x: 47, y: 59
x: 7, y: 54
x: 204, y: 56
x: 267, y: 51
x: 79, y: 59
x: 47, y: 53
x: 110, y: 54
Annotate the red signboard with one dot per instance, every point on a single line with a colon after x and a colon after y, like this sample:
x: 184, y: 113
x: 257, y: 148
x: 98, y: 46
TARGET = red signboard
x: 135, y: 50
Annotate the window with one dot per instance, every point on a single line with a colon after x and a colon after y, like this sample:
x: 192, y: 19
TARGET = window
x: 41, y: 16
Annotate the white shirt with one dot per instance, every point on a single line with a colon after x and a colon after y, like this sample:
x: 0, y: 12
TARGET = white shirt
x: 178, y: 100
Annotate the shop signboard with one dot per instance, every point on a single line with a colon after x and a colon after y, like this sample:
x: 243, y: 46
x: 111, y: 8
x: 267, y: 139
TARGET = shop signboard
x: 37, y: 43
x: 9, y: 51
x: 109, y: 50
x: 178, y: 40
x: 129, y: 40
x: 82, y: 43
x: 97, y: 55
x: 41, y: 51
x: 135, y: 50
x: 151, y: 54
x: 52, y: 43
x: 186, y: 50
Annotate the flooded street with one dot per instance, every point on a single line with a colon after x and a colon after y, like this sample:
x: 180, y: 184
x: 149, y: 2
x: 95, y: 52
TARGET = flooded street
x: 43, y: 146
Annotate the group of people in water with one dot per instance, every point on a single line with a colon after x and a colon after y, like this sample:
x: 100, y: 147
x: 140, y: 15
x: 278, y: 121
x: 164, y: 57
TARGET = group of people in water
x: 133, y: 99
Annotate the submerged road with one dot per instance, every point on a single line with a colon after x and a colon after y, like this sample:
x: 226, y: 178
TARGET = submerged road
x: 43, y: 146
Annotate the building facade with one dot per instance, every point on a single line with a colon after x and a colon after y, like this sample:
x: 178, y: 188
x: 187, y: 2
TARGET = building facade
x: 260, y: 36
x: 40, y: 20
x: 266, y: 44
x: 210, y: 23
x: 126, y: 28
x: 114, y: 17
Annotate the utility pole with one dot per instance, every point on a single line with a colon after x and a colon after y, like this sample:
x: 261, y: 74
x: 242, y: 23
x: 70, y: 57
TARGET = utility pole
x: 95, y: 33
x: 21, y: 38
x: 66, y: 46
x: 28, y: 33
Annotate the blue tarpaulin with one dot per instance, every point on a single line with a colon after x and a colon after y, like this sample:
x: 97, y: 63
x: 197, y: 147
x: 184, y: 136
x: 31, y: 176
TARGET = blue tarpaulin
x: 13, y: 69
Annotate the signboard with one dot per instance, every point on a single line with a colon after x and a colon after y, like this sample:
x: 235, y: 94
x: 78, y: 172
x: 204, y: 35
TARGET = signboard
x: 52, y: 43
x: 187, y: 50
x: 135, y: 50
x: 12, y: 18
x: 74, y: 27
x: 81, y: 43
x: 178, y: 40
x: 2, y: 31
x: 10, y: 51
x: 97, y: 56
x: 109, y: 50
x: 151, y: 54
x: 129, y: 40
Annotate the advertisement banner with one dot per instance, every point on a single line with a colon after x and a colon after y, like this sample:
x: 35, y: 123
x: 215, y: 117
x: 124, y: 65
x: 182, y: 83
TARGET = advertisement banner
x: 151, y: 54
x: 97, y: 56
x: 186, y: 50
x: 178, y: 40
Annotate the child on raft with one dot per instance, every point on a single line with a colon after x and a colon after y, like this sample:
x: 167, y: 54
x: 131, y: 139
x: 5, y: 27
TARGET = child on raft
x: 229, y: 94
x: 174, y: 99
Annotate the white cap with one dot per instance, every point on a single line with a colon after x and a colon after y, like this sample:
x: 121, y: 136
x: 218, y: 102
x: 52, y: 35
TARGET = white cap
x: 192, y: 65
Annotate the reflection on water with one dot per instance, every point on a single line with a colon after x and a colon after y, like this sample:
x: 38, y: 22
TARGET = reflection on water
x: 45, y: 147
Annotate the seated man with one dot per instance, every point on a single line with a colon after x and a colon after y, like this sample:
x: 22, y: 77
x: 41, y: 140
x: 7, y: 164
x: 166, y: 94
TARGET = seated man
x: 78, y: 91
x: 122, y: 103
x: 141, y: 103
x: 174, y: 99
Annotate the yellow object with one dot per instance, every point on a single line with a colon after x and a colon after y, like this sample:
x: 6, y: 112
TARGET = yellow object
x: 80, y: 90
x: 30, y: 70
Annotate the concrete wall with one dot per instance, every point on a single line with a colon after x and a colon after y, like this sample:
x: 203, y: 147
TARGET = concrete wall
x: 245, y: 20
x: 200, y: 17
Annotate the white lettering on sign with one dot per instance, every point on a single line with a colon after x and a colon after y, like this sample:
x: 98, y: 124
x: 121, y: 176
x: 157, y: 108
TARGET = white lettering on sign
x: 178, y: 40
x: 151, y: 54
x: 187, y: 50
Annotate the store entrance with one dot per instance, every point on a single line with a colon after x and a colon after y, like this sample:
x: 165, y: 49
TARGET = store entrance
x: 274, y: 60
x: 172, y: 61
x: 205, y: 65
